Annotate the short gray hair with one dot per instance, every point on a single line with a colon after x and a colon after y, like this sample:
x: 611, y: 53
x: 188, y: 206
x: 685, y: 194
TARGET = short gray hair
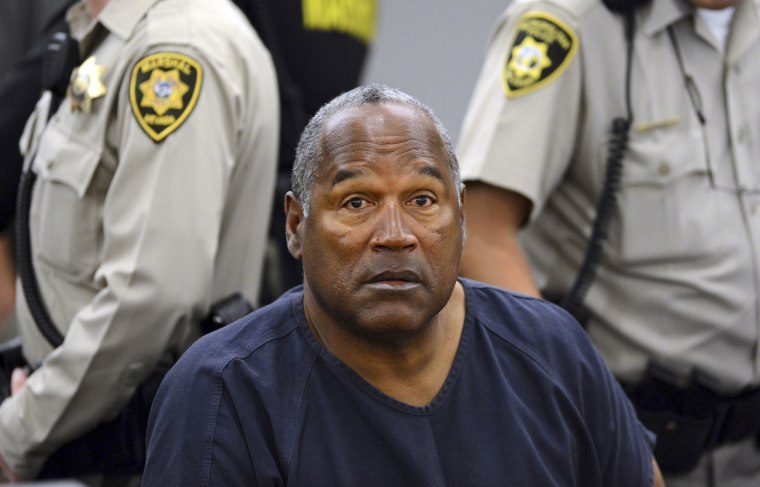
x: 309, y: 155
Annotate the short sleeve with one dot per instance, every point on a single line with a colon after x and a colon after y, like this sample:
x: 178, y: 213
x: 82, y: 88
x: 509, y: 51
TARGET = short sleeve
x: 522, y: 139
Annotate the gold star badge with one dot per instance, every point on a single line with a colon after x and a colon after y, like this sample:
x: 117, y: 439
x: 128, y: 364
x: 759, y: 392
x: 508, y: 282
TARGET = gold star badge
x: 529, y: 59
x: 541, y: 51
x: 163, y: 90
x: 85, y: 85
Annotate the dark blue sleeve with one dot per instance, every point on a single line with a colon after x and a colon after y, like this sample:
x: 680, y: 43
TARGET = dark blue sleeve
x: 193, y: 437
x: 624, y: 446
x: 627, y: 447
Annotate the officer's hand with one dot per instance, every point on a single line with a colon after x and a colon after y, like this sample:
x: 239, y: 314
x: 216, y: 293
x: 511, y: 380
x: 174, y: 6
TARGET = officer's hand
x: 9, y: 475
x: 18, y: 379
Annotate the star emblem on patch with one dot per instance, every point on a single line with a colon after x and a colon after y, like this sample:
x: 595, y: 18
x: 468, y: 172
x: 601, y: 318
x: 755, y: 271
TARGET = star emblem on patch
x: 529, y: 59
x: 163, y: 90
x: 86, y: 85
x: 542, y: 49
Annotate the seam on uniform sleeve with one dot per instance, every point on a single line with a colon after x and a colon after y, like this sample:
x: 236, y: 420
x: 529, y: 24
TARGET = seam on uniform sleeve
x: 213, y: 421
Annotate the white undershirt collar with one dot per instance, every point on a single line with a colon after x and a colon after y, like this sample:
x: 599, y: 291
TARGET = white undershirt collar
x: 719, y: 22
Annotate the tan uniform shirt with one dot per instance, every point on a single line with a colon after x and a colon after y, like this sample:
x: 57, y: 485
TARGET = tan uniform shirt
x: 136, y: 232
x: 678, y: 283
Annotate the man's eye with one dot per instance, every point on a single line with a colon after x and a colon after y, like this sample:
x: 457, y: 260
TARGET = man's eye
x: 422, y: 200
x: 355, y: 203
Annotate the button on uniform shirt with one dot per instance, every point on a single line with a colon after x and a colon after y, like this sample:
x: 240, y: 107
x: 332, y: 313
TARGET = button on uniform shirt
x: 153, y: 193
x: 678, y: 282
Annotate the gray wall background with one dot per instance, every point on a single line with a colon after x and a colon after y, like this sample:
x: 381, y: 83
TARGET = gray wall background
x: 433, y: 51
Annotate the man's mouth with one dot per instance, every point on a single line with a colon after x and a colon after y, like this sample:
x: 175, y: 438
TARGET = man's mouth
x: 401, y: 279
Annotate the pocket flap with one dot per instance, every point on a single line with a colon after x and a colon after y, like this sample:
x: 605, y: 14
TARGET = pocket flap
x: 65, y: 159
x: 663, y: 156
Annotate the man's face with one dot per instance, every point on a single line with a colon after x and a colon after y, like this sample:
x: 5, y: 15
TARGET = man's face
x: 714, y: 4
x: 381, y: 246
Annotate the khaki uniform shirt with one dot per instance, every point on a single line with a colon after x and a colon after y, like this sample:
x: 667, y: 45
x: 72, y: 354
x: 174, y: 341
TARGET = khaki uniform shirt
x: 147, y: 209
x: 678, y: 282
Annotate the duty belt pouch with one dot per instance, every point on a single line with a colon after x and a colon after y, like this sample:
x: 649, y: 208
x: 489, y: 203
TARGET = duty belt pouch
x: 224, y: 312
x: 683, y: 426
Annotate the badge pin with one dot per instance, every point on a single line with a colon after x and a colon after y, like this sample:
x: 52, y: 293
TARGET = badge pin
x: 86, y: 85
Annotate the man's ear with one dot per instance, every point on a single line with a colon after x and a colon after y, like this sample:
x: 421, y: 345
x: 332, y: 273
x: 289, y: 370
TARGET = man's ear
x: 462, y: 213
x: 461, y: 202
x: 293, y: 222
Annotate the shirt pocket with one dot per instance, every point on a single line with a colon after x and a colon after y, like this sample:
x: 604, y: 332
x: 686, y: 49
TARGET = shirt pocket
x: 65, y: 214
x: 667, y: 210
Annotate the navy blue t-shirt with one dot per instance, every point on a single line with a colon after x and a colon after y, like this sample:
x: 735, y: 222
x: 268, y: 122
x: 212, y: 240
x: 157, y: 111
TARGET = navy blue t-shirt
x: 528, y: 402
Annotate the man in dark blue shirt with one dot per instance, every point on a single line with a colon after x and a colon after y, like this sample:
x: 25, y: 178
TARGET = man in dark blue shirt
x: 385, y: 368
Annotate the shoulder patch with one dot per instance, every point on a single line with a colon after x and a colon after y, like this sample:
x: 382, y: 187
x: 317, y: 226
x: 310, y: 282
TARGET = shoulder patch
x: 542, y: 50
x: 163, y: 90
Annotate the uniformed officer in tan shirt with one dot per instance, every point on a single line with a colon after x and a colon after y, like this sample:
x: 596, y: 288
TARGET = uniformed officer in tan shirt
x: 677, y: 286
x: 153, y: 192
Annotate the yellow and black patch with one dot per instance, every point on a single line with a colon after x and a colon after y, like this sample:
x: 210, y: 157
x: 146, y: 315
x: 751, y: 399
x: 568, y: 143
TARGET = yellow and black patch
x: 542, y: 50
x: 163, y: 90
x: 357, y: 18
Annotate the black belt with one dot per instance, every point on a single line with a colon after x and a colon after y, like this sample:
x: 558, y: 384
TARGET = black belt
x: 692, y: 420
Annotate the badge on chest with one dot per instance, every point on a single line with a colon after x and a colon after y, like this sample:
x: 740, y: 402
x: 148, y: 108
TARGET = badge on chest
x: 86, y: 85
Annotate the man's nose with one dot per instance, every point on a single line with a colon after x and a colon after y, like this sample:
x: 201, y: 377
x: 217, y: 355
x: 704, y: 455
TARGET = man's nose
x: 393, y: 231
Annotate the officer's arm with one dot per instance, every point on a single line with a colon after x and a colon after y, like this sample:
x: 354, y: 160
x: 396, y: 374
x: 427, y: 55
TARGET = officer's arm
x: 162, y: 219
x: 18, y: 379
x: 492, y: 253
x: 9, y: 474
x: 7, y: 278
x: 658, y: 480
